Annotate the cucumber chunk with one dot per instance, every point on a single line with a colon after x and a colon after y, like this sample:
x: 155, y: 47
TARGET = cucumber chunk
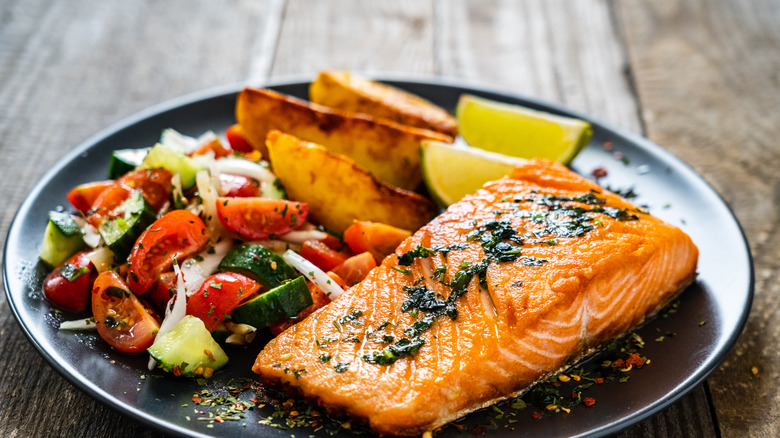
x: 188, y: 350
x: 61, y: 239
x: 279, y: 303
x: 121, y: 232
x: 258, y: 263
x: 125, y: 160
x: 175, y: 161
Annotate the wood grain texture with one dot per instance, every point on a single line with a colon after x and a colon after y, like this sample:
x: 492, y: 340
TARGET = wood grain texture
x: 708, y: 76
x: 394, y: 36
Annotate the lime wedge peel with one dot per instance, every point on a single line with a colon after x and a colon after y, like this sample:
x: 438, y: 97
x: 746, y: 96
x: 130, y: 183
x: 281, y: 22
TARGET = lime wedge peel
x: 519, y: 131
x: 453, y: 171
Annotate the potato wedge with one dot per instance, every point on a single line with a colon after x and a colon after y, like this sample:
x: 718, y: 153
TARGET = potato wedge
x: 345, y: 91
x: 339, y: 191
x: 388, y: 150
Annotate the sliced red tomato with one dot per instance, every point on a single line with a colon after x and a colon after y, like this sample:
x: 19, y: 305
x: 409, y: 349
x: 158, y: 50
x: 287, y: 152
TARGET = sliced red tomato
x: 70, y: 284
x: 121, y: 319
x: 177, y: 235
x: 238, y: 186
x: 214, y: 146
x: 107, y: 202
x: 355, y: 268
x: 260, y: 218
x: 319, y: 299
x: 335, y: 277
x: 219, y: 295
x: 377, y: 238
x: 162, y: 291
x: 84, y: 196
x: 321, y: 255
x: 237, y: 141
x: 155, y: 185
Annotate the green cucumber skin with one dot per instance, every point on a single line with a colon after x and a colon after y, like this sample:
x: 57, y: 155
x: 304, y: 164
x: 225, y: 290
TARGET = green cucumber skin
x: 257, y: 263
x: 62, y: 238
x: 184, y: 347
x: 125, y: 160
x: 285, y: 301
x: 139, y: 215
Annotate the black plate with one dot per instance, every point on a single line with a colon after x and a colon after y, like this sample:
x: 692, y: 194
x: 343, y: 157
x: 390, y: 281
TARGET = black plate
x: 720, y: 297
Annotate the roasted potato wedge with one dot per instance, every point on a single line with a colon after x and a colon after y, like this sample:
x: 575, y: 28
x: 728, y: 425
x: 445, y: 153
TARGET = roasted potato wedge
x: 389, y: 151
x: 345, y: 91
x: 339, y: 191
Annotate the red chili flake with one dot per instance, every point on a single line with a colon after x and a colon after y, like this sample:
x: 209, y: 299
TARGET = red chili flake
x: 255, y: 257
x: 254, y: 399
x: 608, y: 145
x: 599, y: 172
x: 196, y: 399
x: 573, y: 395
x: 589, y: 401
x: 556, y: 384
x: 635, y: 360
x: 619, y: 363
x: 599, y: 380
x: 219, y: 420
x: 176, y: 371
x: 239, y: 406
x: 537, y: 415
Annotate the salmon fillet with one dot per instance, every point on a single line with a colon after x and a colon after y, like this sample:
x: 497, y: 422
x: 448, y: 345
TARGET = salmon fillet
x: 508, y: 286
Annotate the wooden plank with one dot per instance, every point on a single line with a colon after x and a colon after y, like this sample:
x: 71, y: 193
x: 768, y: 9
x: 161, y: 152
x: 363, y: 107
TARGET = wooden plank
x: 707, y: 76
x: 559, y: 51
x: 68, y: 70
x: 354, y: 35
x: 574, y: 56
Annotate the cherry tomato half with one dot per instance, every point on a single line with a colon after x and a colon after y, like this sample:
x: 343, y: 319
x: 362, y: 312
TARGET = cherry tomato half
x: 107, y: 202
x: 214, y: 146
x: 322, y: 255
x: 219, y: 295
x: 69, y: 285
x: 179, y: 234
x: 260, y: 218
x: 377, y: 238
x: 122, y: 321
x: 162, y: 291
x: 84, y: 196
x: 237, y: 141
x: 238, y: 186
x: 154, y: 184
x: 355, y: 268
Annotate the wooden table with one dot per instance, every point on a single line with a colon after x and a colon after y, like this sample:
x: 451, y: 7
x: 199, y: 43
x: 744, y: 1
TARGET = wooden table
x: 701, y: 78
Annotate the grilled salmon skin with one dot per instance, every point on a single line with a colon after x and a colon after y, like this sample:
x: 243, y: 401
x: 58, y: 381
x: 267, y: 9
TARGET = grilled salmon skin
x: 508, y: 286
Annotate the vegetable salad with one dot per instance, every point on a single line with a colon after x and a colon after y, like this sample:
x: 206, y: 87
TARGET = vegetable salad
x: 192, y: 243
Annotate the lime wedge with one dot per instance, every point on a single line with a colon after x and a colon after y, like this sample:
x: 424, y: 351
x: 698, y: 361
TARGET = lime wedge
x: 452, y: 172
x: 520, y: 132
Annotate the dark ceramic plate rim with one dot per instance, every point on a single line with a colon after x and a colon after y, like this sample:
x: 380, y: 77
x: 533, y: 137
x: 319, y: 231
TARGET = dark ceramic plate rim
x: 714, y: 357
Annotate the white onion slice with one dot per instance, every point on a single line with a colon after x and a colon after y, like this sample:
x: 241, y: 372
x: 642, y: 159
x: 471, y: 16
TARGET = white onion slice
x: 300, y: 236
x: 88, y: 232
x: 202, y: 266
x: 173, y: 312
x: 313, y: 273
x: 79, y: 324
x: 239, y: 166
x: 102, y: 258
x: 178, y: 141
x: 208, y: 194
